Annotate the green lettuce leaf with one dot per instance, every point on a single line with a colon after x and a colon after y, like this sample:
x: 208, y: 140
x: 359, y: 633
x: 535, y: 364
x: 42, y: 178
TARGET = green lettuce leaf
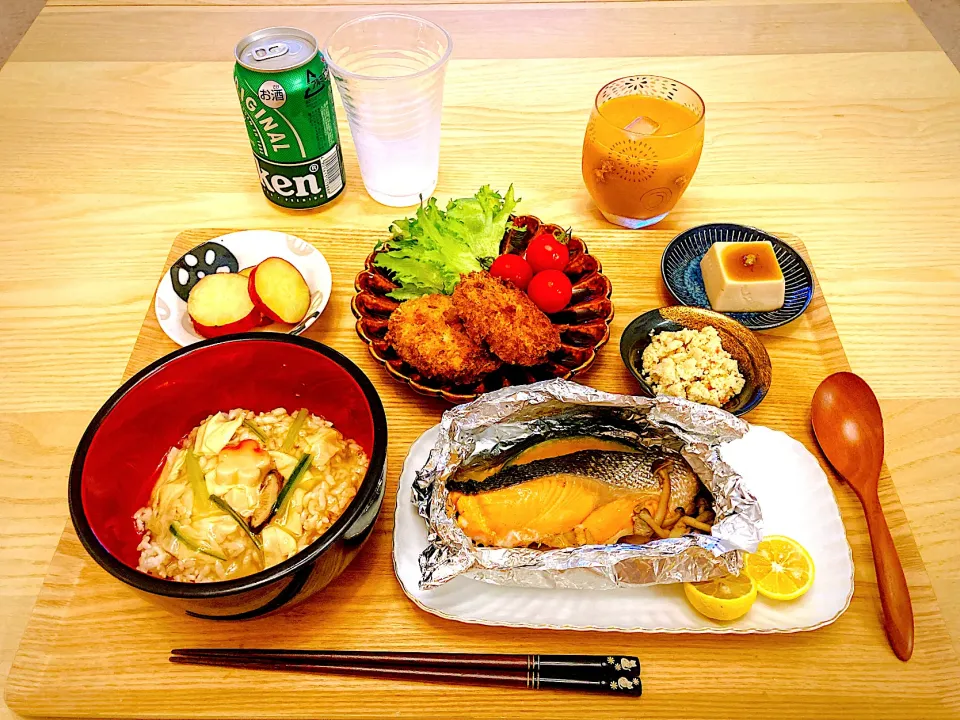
x: 429, y: 252
x: 480, y: 221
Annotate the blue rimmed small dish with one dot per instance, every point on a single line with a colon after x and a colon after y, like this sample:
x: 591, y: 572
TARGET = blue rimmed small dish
x: 680, y: 267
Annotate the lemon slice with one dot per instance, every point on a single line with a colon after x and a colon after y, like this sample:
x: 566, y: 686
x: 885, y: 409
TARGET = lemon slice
x: 724, y: 598
x: 781, y: 567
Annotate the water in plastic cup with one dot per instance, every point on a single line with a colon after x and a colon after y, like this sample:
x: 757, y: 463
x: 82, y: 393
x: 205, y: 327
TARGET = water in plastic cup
x: 389, y: 69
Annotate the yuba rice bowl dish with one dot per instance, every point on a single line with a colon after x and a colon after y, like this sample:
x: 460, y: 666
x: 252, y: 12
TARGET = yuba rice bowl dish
x: 246, y: 491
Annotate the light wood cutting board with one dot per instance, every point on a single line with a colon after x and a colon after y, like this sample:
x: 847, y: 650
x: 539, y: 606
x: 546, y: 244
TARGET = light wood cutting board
x: 93, y: 648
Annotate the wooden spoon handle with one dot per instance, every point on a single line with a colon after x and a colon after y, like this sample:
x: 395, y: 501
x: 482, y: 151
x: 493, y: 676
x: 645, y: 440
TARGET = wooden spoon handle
x: 894, y: 595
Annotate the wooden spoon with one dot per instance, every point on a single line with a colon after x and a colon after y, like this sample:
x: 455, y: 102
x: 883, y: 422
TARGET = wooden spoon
x: 849, y: 427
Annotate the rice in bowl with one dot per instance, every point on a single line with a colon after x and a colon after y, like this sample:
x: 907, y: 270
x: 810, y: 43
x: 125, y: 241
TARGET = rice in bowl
x: 246, y: 491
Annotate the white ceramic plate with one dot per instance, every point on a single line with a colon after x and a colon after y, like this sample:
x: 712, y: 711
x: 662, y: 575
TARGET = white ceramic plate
x: 795, y: 498
x: 249, y: 247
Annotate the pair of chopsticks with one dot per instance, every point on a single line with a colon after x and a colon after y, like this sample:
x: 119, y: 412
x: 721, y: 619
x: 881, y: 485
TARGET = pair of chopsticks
x: 617, y: 674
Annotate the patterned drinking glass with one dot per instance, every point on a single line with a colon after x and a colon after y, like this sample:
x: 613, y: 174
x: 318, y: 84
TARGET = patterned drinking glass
x: 641, y: 148
x: 390, y: 69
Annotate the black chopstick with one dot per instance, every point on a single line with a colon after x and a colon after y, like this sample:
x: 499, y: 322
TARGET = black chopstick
x: 599, y: 663
x: 614, y: 674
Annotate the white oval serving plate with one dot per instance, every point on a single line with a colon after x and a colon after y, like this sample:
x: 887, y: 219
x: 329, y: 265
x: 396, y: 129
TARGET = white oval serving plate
x: 795, y: 498
x: 251, y: 247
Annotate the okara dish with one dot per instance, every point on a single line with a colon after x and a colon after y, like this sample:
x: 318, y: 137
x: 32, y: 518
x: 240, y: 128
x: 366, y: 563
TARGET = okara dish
x: 743, y: 346
x: 692, y: 364
x: 116, y: 466
x: 583, y: 326
x: 244, y: 492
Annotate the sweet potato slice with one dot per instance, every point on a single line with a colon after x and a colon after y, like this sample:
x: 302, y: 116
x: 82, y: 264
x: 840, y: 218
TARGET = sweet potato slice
x: 279, y: 291
x: 265, y: 319
x: 219, y: 305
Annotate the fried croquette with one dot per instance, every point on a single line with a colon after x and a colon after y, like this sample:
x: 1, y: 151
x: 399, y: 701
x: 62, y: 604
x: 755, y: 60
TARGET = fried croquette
x: 503, y: 317
x: 427, y: 334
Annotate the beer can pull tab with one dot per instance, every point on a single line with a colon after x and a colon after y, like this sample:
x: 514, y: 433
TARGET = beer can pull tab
x: 274, y: 50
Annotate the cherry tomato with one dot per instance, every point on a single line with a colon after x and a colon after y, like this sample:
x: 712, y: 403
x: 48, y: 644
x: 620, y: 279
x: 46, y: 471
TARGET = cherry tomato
x: 550, y: 290
x: 513, y: 268
x: 545, y: 252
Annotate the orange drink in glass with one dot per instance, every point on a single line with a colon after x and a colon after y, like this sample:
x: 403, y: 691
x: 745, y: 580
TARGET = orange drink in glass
x: 641, y: 148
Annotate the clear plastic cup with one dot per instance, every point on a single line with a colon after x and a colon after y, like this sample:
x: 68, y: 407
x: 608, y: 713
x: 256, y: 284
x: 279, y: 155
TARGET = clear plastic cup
x: 390, y: 69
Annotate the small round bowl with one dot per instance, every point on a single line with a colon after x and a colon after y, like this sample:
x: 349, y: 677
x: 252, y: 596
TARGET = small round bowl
x: 116, y: 464
x: 740, y: 342
x: 680, y: 268
x: 584, y: 325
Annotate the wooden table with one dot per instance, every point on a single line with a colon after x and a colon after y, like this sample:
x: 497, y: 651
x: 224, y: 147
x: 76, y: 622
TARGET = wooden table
x: 839, y: 121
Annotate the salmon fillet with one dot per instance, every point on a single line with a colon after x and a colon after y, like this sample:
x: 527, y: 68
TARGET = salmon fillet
x: 583, y: 498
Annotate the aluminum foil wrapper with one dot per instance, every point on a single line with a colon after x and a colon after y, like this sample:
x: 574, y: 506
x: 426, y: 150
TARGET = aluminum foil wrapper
x: 475, y: 433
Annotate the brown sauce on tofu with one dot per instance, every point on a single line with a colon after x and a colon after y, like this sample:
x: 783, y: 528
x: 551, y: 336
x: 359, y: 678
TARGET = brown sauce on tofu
x: 750, y: 262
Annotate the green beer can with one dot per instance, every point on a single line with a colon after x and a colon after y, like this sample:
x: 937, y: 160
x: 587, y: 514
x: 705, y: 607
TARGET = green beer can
x: 284, y: 89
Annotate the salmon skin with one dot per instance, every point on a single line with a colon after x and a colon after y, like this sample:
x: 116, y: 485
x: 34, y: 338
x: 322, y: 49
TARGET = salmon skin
x: 580, y: 498
x: 626, y: 469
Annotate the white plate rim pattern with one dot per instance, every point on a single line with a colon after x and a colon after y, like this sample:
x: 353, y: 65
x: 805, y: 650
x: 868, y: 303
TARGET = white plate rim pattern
x: 251, y: 247
x: 403, y: 497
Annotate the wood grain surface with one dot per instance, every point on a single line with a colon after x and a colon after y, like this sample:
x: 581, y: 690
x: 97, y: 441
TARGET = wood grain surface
x: 836, y: 121
x: 365, y: 4
x: 509, y: 31
x: 367, y: 608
